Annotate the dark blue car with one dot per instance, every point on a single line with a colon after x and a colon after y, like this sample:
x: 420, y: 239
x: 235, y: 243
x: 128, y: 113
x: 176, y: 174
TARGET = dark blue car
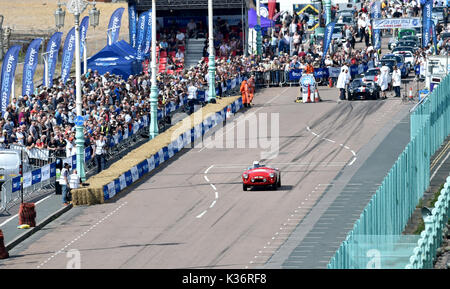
x: 400, y: 63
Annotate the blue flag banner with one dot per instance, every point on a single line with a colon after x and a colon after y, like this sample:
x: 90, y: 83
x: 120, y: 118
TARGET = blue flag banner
x: 8, y: 72
x: 114, y: 25
x: 433, y: 32
x: 148, y: 34
x: 426, y: 24
x: 327, y: 38
x: 376, y: 14
x: 295, y: 75
x: 132, y: 24
x: 142, y: 28
x: 67, y: 56
x: 29, y: 66
x: 83, y: 32
x: 53, y: 46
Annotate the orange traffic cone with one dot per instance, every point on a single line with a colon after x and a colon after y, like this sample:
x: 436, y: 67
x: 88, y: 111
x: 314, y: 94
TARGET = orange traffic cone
x: 410, y: 93
x: 330, y: 82
x: 229, y: 114
x: 3, y: 252
x: 316, y: 95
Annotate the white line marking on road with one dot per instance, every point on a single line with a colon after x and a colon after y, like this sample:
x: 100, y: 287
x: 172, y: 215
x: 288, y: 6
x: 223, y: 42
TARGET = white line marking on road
x: 214, y: 187
x: 217, y: 195
x: 330, y: 140
x: 201, y: 215
x: 206, y: 178
x: 208, y: 169
x: 12, y: 218
x: 212, y: 204
x: 437, y: 169
x: 61, y: 250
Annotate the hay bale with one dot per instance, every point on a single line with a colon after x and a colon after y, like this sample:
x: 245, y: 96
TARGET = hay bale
x: 93, y: 194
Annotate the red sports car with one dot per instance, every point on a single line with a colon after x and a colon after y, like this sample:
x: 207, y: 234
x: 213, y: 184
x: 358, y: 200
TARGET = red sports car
x: 261, y: 176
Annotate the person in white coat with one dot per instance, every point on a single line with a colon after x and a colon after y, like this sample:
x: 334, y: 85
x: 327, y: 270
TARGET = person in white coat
x: 342, y: 82
x: 383, y: 80
x: 396, y: 80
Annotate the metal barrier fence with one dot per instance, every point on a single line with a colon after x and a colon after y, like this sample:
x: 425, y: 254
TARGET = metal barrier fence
x: 431, y: 238
x: 395, y: 200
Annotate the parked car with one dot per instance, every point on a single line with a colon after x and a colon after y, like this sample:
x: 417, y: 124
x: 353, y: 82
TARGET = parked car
x: 359, y: 89
x: 10, y: 164
x: 404, y: 69
x: 409, y: 58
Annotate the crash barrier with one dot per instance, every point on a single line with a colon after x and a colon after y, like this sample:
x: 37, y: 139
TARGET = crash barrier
x: 149, y: 156
x: 431, y: 238
x: 292, y: 76
x: 392, y: 205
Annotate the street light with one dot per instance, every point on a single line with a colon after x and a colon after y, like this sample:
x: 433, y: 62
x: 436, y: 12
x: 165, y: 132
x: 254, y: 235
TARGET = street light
x: 76, y: 7
x: 212, y: 57
x: 154, y: 131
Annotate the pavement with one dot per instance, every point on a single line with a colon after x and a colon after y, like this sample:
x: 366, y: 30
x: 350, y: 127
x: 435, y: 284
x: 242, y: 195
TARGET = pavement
x: 194, y: 206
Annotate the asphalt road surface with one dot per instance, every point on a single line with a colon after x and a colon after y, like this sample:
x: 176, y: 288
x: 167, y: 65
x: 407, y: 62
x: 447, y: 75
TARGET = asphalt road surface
x: 193, y: 213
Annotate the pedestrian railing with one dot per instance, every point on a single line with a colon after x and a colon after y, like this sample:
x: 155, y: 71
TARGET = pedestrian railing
x: 390, y: 208
x: 431, y: 238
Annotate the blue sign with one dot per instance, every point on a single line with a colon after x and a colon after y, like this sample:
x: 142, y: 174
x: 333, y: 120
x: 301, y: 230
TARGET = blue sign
x: 79, y: 120
x: 295, y: 74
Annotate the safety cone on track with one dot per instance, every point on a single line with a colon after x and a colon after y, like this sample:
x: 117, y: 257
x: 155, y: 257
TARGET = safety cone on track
x: 316, y: 95
x: 410, y: 93
x: 229, y: 114
x: 330, y: 82
x: 3, y: 252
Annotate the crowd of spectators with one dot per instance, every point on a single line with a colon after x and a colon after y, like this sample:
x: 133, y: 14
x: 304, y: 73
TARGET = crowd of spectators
x: 111, y: 104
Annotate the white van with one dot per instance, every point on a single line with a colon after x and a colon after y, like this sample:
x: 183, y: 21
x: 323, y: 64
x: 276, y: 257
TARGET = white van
x: 10, y: 164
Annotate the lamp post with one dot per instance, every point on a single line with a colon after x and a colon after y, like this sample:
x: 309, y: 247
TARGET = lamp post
x: 258, y: 29
x: 154, y: 131
x: 76, y: 7
x: 212, y: 57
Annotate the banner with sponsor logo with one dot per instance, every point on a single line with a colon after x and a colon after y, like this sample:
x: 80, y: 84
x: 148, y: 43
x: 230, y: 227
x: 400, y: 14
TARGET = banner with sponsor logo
x: 433, y: 33
x: 52, y: 57
x: 83, y: 32
x: 142, y: 29
x: 114, y: 25
x: 29, y: 66
x: 295, y: 75
x: 327, y: 38
x: 67, y: 56
x: 389, y: 23
x: 426, y: 24
x: 148, y: 33
x: 132, y: 22
x: 376, y: 14
x: 8, y: 72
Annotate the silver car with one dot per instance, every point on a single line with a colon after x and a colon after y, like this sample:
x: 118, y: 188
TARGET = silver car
x: 10, y: 164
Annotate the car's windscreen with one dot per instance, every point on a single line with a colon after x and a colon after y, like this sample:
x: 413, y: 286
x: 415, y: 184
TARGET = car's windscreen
x: 9, y: 161
x: 371, y: 72
x: 357, y: 82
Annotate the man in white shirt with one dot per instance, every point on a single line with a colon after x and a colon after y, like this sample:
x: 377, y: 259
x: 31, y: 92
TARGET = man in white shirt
x: 191, y: 28
x: 192, y: 97
x: 74, y: 180
x: 64, y: 181
x: 396, y: 80
x: 99, y: 149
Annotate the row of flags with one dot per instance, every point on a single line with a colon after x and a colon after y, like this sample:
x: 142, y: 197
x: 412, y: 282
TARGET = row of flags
x: 140, y: 27
x: 52, y: 49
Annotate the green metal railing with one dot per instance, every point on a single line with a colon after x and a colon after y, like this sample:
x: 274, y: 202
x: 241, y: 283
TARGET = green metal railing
x: 395, y: 200
x: 431, y: 238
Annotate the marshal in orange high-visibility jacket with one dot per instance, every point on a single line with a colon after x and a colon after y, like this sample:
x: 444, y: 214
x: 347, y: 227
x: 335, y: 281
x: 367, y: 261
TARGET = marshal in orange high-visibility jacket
x: 244, y: 92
